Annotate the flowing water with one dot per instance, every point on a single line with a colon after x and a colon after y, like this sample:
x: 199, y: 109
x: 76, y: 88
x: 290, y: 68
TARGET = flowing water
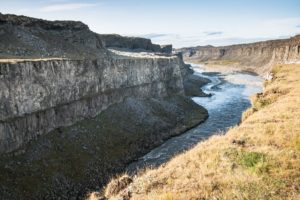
x: 230, y: 97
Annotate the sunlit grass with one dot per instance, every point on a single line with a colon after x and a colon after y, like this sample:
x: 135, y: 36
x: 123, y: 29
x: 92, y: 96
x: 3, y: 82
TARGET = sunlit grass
x: 16, y: 60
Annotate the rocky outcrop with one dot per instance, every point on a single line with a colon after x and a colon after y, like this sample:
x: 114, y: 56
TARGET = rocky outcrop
x: 133, y: 43
x: 192, y: 86
x: 22, y: 37
x: 257, y: 57
x: 192, y: 83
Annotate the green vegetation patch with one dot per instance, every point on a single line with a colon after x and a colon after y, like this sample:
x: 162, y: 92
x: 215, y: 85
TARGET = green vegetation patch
x: 260, y: 101
x: 297, y: 143
x: 251, y: 159
x: 270, y: 96
x: 276, y: 69
x: 254, y: 161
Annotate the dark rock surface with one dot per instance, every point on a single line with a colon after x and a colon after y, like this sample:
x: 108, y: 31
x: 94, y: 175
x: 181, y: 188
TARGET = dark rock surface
x: 26, y: 37
x: 70, y: 161
x: 39, y: 96
x: 133, y: 43
x: 166, y: 48
x: 192, y: 86
x: 191, y: 83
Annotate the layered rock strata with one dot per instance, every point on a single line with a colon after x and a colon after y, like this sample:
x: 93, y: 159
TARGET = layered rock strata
x: 39, y: 96
x: 257, y: 57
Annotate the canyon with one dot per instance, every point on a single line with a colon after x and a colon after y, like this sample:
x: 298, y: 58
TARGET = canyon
x: 257, y: 158
x: 77, y: 104
x: 38, y: 96
x: 77, y: 107
x: 256, y: 57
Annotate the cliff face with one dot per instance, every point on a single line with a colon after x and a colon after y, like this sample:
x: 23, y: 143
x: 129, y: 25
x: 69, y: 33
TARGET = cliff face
x: 81, y: 79
x: 38, y: 96
x: 257, y: 57
x: 68, y: 125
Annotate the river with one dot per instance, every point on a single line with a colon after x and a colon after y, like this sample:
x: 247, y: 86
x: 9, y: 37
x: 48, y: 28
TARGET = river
x: 231, y: 93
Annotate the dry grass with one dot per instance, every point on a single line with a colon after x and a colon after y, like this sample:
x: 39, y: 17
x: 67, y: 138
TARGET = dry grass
x: 16, y: 60
x: 259, y: 159
x: 116, y: 185
x: 94, y: 196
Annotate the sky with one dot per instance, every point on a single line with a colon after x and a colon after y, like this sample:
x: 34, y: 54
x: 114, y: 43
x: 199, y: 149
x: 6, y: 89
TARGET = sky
x: 182, y: 23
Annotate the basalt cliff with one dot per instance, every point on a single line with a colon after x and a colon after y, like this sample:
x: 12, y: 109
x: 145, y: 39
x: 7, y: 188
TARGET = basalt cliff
x: 77, y: 106
x: 256, y: 57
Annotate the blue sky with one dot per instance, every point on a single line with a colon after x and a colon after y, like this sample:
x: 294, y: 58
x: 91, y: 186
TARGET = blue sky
x: 180, y: 22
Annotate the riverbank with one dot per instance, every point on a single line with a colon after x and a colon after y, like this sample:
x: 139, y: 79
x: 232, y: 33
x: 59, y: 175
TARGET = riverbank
x: 228, y: 98
x: 226, y: 67
x: 259, y: 159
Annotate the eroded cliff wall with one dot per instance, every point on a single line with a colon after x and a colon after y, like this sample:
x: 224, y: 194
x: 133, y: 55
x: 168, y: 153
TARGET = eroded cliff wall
x: 77, y: 78
x: 39, y: 96
x: 257, y: 57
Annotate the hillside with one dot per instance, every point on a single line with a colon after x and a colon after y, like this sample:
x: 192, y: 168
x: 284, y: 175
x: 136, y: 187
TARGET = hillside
x: 256, y: 57
x: 258, y: 159
x: 26, y: 37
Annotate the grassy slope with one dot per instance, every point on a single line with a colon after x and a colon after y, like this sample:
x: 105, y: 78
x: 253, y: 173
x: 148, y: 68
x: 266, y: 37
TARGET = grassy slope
x: 259, y: 159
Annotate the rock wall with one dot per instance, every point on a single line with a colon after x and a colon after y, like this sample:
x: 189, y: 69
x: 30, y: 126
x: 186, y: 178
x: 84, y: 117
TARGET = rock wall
x: 81, y: 79
x: 39, y: 96
x: 25, y: 37
x: 257, y: 57
x: 133, y: 43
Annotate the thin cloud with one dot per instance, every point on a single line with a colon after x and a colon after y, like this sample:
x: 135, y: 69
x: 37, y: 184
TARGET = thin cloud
x: 298, y: 26
x: 184, y: 40
x: 154, y: 35
x: 213, y: 33
x: 66, y: 7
